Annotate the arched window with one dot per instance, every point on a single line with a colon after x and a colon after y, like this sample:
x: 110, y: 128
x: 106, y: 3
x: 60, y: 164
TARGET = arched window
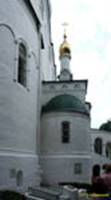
x: 108, y: 150
x: 98, y: 146
x: 65, y: 132
x: 19, y: 178
x: 22, y: 62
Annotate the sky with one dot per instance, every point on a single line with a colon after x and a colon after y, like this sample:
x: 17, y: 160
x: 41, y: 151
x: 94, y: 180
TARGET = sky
x: 89, y: 34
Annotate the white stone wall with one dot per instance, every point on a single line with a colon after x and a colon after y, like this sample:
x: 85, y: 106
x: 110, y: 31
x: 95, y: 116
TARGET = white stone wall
x: 57, y: 158
x: 12, y: 163
x: 51, y: 131
x: 38, y: 8
x: 47, y: 54
x: 52, y: 89
x: 105, y: 136
x: 18, y: 105
x: 60, y: 169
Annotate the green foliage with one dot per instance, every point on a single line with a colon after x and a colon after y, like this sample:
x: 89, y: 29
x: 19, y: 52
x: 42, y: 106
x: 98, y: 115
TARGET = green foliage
x: 106, y: 126
x: 11, y: 195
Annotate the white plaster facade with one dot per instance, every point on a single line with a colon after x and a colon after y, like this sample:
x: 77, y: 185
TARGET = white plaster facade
x: 105, y: 138
x: 21, y: 22
x: 58, y: 158
x: 30, y: 141
x: 54, y: 88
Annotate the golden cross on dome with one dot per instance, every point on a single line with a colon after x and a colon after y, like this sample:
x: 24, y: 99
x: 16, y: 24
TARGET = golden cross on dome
x: 65, y: 24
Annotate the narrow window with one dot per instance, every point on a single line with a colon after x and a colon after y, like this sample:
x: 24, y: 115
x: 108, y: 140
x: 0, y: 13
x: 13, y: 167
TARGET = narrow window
x: 65, y: 132
x: 22, y: 61
x: 19, y: 178
x: 108, y: 150
x: 42, y: 43
x: 98, y: 146
x: 78, y: 168
x: 96, y: 170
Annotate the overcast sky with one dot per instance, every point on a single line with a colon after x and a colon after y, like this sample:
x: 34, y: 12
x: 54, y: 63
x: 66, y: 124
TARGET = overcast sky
x: 89, y: 33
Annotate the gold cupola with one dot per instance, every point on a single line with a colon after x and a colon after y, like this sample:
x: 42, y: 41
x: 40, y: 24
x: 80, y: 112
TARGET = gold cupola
x: 65, y: 49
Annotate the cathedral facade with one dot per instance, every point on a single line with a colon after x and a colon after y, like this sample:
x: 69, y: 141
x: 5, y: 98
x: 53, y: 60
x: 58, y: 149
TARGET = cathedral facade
x: 24, y: 42
x: 45, y: 134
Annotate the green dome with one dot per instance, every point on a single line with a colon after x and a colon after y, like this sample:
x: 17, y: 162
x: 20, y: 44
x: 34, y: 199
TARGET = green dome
x: 65, y: 103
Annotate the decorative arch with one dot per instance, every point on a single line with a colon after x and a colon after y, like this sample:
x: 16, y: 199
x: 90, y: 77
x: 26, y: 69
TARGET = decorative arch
x: 10, y: 29
x: 21, y: 40
x: 98, y: 146
x: 7, y: 51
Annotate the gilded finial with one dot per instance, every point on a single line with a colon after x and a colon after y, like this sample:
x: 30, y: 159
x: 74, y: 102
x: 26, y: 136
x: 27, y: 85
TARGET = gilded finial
x: 65, y: 47
x: 65, y: 24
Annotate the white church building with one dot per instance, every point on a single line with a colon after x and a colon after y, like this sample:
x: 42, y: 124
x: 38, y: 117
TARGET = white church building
x: 45, y: 132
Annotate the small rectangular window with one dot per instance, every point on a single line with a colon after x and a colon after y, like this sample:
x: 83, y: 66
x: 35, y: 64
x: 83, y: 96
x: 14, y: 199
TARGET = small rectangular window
x: 78, y: 168
x: 65, y: 132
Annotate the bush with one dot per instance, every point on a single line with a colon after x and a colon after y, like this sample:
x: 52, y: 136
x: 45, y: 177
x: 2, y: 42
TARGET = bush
x: 11, y: 195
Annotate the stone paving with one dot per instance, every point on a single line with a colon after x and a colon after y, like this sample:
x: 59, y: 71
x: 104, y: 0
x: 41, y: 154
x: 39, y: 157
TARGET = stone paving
x: 57, y: 193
